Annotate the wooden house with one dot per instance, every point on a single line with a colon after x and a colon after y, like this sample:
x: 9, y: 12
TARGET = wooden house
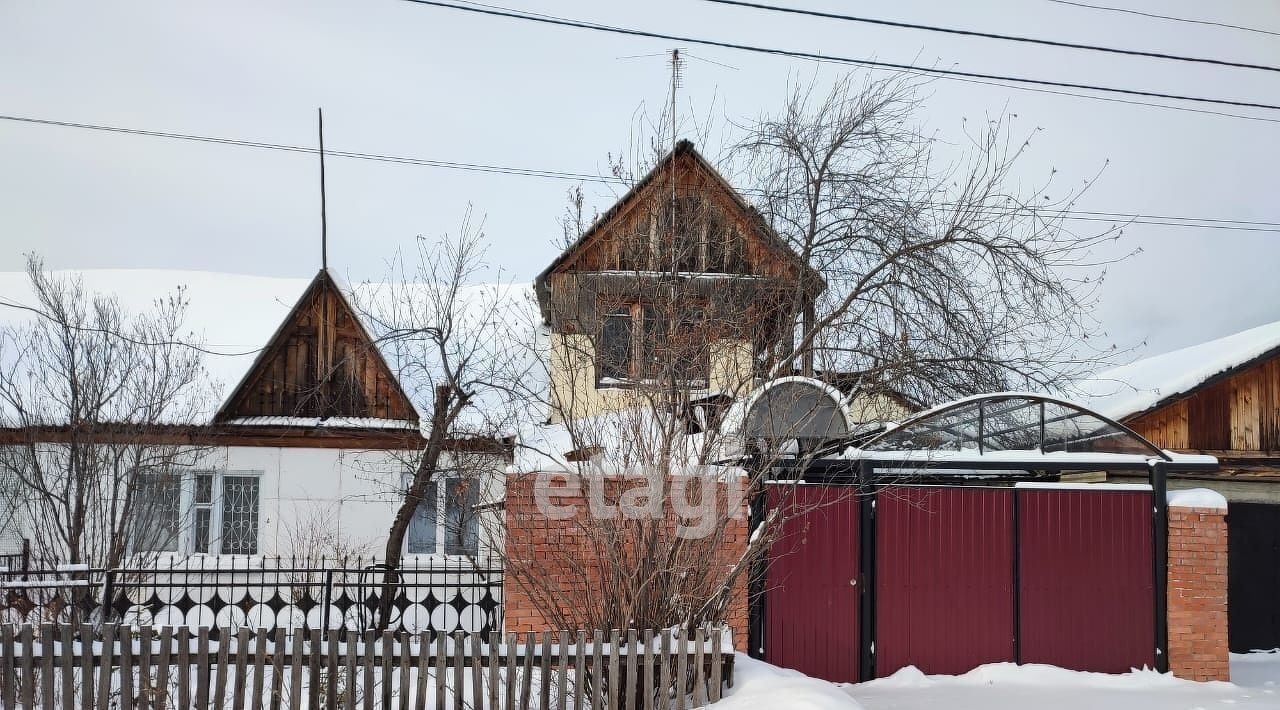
x: 1220, y: 398
x: 681, y: 273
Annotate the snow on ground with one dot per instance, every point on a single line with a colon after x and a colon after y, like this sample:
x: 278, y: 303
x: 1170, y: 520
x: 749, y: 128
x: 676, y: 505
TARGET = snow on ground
x: 1005, y: 686
x: 1260, y: 669
x: 760, y: 686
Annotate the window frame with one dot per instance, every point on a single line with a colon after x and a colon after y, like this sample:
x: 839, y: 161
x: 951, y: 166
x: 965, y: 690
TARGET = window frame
x: 640, y: 344
x: 188, y: 507
x: 441, y: 537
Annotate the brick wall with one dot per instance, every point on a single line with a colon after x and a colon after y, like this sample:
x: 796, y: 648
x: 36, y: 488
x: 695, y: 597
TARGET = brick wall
x: 1198, y: 593
x: 554, y: 567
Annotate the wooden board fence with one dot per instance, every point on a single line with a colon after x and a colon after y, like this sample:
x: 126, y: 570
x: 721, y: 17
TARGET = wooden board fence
x: 64, y: 667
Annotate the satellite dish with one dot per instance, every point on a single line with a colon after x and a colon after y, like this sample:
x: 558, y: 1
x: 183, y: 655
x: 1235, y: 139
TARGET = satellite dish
x: 798, y: 408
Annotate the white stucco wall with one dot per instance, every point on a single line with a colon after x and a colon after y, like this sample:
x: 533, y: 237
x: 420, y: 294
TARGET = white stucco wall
x: 345, y: 498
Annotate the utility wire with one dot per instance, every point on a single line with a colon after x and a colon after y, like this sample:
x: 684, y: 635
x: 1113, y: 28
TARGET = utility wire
x: 1081, y: 215
x: 1015, y: 87
x: 838, y: 59
x: 1171, y: 18
x: 992, y: 35
x: 6, y: 303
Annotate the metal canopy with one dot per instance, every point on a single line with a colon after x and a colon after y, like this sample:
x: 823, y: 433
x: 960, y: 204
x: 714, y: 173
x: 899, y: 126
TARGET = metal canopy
x: 1011, y: 432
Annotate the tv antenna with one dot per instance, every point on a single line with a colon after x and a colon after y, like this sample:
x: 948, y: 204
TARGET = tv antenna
x: 677, y: 80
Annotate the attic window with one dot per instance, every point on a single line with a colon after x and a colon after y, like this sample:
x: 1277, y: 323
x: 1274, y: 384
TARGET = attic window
x: 637, y: 343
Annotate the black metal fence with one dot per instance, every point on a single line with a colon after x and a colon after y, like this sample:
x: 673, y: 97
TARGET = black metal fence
x: 436, y: 595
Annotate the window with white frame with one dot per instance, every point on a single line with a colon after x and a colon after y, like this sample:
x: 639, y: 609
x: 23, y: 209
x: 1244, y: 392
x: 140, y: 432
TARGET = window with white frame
x: 209, y: 512
x: 445, y: 522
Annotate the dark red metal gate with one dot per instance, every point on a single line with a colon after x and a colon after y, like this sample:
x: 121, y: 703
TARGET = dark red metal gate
x: 962, y: 576
x: 944, y: 578
x: 1086, y: 573
x: 810, y: 592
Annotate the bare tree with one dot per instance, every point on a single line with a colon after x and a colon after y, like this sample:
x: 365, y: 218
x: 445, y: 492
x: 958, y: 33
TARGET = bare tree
x: 449, y: 340
x: 97, y: 405
x: 942, y: 280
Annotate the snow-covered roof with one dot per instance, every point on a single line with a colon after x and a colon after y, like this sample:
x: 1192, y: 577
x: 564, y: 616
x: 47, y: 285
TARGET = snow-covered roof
x: 1124, y: 391
x: 233, y: 316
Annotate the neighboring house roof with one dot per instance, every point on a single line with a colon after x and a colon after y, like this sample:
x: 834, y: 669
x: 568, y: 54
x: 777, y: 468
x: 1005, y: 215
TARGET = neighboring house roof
x: 1143, y: 385
x: 762, y: 229
x: 236, y: 317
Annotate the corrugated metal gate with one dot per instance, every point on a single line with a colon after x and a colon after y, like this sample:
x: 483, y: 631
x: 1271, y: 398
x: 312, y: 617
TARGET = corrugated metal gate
x: 959, y: 576
x: 812, y: 583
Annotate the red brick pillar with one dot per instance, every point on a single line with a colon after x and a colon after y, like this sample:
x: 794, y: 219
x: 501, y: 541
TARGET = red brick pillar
x: 1198, y: 593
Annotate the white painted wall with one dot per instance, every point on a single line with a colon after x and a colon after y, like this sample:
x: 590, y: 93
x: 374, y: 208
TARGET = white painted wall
x: 348, y: 496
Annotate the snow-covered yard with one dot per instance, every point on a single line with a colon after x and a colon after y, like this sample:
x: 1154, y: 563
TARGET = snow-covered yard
x: 1004, y: 686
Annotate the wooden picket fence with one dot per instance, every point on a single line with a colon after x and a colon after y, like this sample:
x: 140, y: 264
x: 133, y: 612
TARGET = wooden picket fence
x: 62, y: 666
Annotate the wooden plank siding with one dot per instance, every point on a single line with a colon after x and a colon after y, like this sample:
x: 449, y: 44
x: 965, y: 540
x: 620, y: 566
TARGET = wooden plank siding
x: 1238, y: 413
x: 321, y: 362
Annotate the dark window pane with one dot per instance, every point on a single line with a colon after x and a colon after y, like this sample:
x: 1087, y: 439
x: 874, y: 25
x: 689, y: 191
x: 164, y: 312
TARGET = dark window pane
x: 615, y: 345
x: 655, y: 333
x: 422, y: 526
x: 200, y: 530
x: 690, y: 344
x: 204, y: 489
x: 239, y: 515
x: 462, y: 529
x: 155, y: 514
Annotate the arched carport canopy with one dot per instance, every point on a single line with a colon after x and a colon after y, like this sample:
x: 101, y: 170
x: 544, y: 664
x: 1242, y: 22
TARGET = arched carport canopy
x: 1012, y: 431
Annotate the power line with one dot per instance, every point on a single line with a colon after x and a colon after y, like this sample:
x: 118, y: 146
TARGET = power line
x: 477, y: 167
x: 1015, y: 87
x: 6, y: 303
x: 1166, y: 17
x: 951, y: 73
x: 1081, y: 215
x: 993, y: 35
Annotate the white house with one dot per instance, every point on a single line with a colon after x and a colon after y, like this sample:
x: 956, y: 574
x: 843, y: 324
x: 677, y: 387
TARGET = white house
x: 316, y: 427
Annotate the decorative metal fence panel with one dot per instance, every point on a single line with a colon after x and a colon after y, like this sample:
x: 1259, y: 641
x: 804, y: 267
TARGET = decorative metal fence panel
x: 440, y: 596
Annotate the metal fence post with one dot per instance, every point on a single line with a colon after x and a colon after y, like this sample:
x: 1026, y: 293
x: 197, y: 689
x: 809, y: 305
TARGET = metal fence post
x: 1160, y: 557
x: 328, y: 596
x: 867, y: 570
x: 108, y: 590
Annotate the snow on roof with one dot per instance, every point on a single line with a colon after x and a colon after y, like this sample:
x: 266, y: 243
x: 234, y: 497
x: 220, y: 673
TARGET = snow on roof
x: 233, y: 316
x: 1127, y: 390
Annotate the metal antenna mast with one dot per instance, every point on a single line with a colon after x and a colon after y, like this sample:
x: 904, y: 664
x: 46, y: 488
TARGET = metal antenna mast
x: 324, y: 223
x: 677, y: 66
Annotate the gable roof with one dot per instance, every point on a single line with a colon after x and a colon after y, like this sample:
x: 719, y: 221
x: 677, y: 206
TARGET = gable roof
x: 763, y: 231
x: 316, y: 388
x: 236, y: 318
x: 1143, y: 385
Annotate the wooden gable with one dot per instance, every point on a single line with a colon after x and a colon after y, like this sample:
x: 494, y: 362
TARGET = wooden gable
x: 729, y: 236
x: 720, y: 233
x: 320, y: 363
x: 1236, y: 412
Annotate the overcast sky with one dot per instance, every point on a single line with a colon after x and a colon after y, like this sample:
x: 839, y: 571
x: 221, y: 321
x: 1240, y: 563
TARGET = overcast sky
x: 404, y: 79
